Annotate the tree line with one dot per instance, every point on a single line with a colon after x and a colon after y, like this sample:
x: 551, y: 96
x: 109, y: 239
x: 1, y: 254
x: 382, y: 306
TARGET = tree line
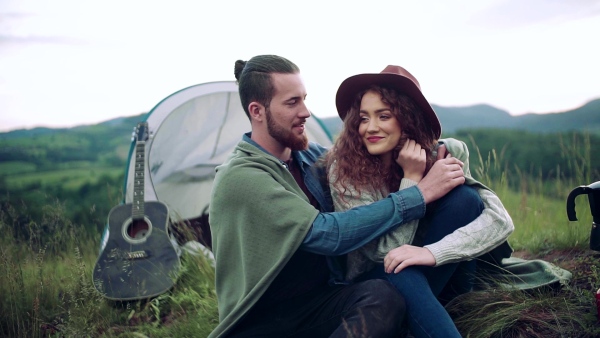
x: 545, y: 156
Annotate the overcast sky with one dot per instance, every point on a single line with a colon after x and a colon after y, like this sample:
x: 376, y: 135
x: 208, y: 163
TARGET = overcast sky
x: 71, y: 62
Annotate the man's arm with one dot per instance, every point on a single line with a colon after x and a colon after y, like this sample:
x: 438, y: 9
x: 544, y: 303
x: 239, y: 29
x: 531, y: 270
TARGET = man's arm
x: 338, y: 233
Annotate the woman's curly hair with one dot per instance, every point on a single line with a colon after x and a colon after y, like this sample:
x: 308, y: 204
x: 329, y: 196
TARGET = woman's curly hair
x: 361, y: 170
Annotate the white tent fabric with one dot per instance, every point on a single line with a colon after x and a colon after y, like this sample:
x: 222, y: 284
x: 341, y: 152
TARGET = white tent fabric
x: 191, y: 132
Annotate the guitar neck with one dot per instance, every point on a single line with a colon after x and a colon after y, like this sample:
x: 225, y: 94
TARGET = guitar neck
x: 138, y: 186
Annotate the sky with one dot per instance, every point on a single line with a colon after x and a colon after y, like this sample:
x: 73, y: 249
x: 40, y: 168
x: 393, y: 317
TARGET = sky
x: 71, y: 62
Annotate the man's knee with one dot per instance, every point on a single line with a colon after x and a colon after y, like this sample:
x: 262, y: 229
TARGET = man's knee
x: 387, y: 307
x: 386, y: 293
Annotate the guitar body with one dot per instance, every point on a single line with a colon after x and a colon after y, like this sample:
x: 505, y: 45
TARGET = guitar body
x: 139, y: 260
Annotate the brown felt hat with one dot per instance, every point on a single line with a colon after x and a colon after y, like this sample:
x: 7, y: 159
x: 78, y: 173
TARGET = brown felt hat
x: 394, y: 77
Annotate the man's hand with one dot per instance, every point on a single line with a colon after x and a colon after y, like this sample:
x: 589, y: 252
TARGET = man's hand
x: 445, y: 175
x: 412, y: 159
x: 407, y: 255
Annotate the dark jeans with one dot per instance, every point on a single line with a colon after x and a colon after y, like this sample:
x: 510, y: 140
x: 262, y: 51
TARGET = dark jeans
x: 423, y: 288
x: 371, y: 308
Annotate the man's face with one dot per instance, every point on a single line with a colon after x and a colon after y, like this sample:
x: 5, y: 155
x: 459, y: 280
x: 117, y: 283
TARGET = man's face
x: 287, y: 113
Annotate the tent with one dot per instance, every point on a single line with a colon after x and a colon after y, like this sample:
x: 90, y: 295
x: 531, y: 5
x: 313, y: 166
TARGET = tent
x: 191, y: 132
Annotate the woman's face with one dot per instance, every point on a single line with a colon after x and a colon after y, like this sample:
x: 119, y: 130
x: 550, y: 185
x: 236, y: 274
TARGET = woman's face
x: 379, y: 128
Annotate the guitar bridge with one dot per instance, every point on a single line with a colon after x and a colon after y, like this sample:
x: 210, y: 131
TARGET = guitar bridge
x: 136, y: 255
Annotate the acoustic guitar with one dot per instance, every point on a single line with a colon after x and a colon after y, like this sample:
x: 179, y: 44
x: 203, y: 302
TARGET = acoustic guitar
x: 138, y: 260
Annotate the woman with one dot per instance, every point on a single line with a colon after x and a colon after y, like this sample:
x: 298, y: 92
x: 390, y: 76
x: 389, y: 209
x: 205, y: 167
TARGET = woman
x: 389, y: 142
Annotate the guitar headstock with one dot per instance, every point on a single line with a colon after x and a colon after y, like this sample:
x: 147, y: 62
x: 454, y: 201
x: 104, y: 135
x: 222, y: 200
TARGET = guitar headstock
x: 140, y: 132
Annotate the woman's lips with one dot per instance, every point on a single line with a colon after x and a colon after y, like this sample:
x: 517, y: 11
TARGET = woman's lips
x: 374, y: 139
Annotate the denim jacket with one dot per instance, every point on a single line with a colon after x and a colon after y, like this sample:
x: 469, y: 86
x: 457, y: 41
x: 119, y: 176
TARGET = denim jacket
x: 336, y: 233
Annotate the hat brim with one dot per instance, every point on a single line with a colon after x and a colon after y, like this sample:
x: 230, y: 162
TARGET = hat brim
x: 357, y: 83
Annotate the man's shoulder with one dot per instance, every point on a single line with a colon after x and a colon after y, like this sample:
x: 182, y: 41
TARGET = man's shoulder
x: 242, y: 153
x: 313, y: 152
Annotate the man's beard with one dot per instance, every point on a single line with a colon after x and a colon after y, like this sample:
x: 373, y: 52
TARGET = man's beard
x: 285, y: 137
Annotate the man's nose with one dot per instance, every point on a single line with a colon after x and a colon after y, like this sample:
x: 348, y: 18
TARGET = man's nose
x: 305, y: 112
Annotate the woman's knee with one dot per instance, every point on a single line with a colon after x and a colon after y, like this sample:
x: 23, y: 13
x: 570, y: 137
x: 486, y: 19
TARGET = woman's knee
x: 410, y: 279
x: 458, y: 208
x: 464, y: 194
x: 464, y: 199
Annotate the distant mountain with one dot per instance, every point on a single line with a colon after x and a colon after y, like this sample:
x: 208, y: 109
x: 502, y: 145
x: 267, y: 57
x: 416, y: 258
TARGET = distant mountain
x: 586, y: 117
x: 114, y: 127
x: 13, y: 134
x: 106, y: 144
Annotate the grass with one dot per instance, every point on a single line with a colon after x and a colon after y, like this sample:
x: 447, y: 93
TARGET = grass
x: 16, y: 167
x: 47, y: 291
x: 69, y: 178
x: 51, y: 294
x: 541, y: 223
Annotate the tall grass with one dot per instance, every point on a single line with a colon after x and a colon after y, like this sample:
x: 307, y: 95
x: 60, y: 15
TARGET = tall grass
x: 538, y: 209
x: 538, y: 204
x: 46, y: 287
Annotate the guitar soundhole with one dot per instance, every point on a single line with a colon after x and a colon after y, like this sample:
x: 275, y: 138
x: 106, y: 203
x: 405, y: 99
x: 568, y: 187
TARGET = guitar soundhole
x: 137, y: 230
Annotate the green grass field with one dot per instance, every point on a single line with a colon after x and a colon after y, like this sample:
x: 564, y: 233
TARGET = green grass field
x: 69, y: 178
x: 48, y: 293
x: 46, y: 268
x: 16, y: 167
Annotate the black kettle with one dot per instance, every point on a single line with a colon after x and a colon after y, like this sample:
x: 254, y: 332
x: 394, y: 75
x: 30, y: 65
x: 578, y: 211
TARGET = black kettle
x: 593, y: 192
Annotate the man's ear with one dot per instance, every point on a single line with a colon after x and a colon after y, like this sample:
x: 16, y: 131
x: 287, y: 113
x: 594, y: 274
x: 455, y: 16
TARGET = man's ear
x: 256, y: 111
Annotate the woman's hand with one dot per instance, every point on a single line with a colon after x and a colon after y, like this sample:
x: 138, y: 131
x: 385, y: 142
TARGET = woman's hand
x: 442, y: 152
x: 407, y: 255
x: 412, y: 158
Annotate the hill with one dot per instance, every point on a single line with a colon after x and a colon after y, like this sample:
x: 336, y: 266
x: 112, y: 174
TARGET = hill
x: 584, y: 118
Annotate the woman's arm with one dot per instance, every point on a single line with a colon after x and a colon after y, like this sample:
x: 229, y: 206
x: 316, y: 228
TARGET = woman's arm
x: 485, y: 233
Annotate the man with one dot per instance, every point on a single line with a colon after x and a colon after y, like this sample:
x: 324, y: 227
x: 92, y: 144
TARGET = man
x: 273, y: 243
